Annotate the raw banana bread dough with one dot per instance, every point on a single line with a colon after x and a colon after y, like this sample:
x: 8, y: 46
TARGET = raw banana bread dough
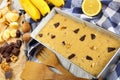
x: 86, y: 47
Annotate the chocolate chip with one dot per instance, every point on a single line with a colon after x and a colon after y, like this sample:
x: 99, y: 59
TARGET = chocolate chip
x: 19, y: 43
x: 8, y: 59
x: 82, y: 38
x: 63, y: 42
x: 16, y: 51
x: 56, y: 24
x: 0, y: 60
x: 16, y: 45
x: 0, y: 49
x: 9, y: 49
x: 76, y: 30
x: 71, y: 56
x: 18, y: 33
x: 4, y: 47
x: 53, y: 36
x: 89, y: 58
x: 12, y: 44
x: 8, y: 74
x: 110, y: 49
x: 5, y: 54
x: 93, y: 36
x: 40, y: 35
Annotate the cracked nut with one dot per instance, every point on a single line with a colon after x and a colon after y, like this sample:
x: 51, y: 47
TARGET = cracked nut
x: 14, y: 58
x: 5, y: 66
x: 26, y: 27
x: 26, y: 37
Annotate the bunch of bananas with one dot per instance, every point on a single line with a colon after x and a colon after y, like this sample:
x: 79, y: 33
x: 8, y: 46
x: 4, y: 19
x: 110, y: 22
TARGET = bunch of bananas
x: 36, y: 8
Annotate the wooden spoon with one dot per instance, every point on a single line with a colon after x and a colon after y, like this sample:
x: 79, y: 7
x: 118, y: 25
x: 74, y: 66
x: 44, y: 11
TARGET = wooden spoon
x: 37, y: 71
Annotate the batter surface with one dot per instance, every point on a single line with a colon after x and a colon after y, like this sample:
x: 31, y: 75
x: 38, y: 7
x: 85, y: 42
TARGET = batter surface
x: 84, y: 46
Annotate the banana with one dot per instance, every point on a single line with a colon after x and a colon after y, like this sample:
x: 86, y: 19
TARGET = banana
x: 42, y: 6
x: 6, y: 35
x: 57, y: 3
x: 13, y: 33
x: 32, y: 11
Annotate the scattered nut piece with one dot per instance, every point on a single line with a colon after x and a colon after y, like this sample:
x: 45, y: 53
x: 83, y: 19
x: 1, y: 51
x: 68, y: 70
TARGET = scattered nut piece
x: 14, y: 58
x: 68, y: 45
x: 26, y: 27
x: 14, y: 25
x: 26, y: 37
x: 93, y: 48
x: 5, y: 66
x: 63, y: 28
x: 92, y: 65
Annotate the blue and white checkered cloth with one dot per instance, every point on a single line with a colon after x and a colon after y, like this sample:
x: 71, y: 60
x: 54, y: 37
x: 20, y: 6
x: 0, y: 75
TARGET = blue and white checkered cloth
x: 109, y: 19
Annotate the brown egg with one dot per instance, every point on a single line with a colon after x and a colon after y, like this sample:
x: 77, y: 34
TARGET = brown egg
x: 26, y: 37
x: 26, y: 27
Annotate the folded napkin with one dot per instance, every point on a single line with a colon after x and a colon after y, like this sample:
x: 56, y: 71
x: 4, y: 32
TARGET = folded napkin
x: 108, y: 19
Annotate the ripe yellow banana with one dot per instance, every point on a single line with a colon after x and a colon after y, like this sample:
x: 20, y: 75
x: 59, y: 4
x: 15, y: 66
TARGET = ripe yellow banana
x: 42, y: 6
x: 57, y: 3
x: 32, y: 11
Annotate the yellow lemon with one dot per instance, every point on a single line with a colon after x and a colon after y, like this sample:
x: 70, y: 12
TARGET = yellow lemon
x: 91, y: 7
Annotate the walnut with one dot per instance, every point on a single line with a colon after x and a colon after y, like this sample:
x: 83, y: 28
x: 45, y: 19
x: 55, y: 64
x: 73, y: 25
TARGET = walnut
x: 68, y: 45
x: 25, y: 27
x: 14, y: 58
x: 26, y: 37
x: 5, y: 66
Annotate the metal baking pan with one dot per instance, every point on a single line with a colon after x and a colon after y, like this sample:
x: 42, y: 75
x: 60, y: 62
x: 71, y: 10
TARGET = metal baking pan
x: 76, y: 70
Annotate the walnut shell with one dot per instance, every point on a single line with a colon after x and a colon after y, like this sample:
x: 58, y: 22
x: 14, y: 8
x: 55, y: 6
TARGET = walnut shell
x: 26, y: 37
x: 26, y: 27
